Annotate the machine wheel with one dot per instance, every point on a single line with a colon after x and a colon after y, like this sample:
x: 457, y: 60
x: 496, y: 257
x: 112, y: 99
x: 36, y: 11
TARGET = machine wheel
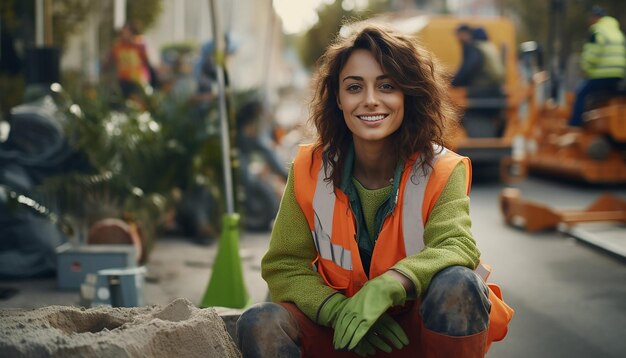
x: 598, y: 148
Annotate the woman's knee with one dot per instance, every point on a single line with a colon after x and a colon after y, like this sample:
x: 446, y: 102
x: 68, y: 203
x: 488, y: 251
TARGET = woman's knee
x: 267, y: 330
x: 456, y: 302
x: 457, y: 280
x: 261, y: 315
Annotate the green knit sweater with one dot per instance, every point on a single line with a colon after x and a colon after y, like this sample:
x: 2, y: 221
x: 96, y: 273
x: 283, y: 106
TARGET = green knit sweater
x: 371, y: 199
x: 287, y: 265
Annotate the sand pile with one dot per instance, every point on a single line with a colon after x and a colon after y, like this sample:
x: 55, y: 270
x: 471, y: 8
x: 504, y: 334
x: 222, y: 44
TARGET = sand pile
x: 176, y: 330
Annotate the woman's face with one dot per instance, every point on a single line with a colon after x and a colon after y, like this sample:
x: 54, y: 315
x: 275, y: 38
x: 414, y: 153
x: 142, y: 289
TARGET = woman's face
x: 371, y: 101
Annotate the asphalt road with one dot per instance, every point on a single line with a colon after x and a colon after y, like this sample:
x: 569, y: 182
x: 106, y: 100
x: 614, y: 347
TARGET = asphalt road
x: 570, y: 298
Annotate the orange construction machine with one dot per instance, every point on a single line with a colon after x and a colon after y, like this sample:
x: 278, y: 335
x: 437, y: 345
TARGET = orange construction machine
x: 594, y: 153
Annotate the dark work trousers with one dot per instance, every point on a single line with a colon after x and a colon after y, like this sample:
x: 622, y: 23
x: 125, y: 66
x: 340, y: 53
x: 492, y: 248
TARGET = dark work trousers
x: 456, y: 304
x: 586, y: 88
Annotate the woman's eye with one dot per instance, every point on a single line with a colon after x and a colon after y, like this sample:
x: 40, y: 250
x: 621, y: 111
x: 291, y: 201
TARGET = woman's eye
x: 386, y: 87
x: 353, y: 88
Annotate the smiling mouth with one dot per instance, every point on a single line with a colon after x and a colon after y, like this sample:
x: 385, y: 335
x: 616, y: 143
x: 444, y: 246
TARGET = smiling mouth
x: 372, y: 118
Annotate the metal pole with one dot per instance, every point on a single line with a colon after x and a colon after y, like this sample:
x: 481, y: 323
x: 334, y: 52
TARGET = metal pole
x: 220, y: 57
x: 557, y: 8
x: 267, y: 60
x: 39, y: 23
x: 47, y: 6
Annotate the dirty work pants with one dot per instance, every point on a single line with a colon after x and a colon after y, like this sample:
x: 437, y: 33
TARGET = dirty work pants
x: 450, y: 321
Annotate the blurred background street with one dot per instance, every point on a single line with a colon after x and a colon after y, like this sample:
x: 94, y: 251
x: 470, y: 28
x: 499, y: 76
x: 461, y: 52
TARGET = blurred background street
x: 137, y: 134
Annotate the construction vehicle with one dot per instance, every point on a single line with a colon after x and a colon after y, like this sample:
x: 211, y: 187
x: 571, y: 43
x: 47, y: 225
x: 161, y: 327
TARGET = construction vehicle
x: 486, y: 139
x: 594, y: 153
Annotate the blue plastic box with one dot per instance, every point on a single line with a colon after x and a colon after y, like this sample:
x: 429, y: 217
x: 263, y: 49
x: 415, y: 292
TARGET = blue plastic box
x: 74, y: 262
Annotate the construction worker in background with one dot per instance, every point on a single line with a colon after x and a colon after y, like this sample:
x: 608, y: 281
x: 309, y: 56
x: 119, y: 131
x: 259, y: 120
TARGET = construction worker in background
x: 493, y: 65
x: 603, y: 61
x: 372, y: 250
x: 481, y: 70
x: 130, y: 59
x: 471, y: 62
x: 205, y: 73
x: 481, y: 74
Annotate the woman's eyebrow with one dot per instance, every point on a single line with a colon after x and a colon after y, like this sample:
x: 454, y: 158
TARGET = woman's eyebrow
x: 359, y: 78
x: 356, y: 78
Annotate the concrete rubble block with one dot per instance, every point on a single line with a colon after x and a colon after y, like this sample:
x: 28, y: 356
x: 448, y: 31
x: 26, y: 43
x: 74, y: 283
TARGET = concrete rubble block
x: 177, y: 330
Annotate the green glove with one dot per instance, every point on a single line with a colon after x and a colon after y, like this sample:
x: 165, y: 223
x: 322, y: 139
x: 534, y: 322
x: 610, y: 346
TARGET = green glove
x: 362, y: 310
x: 364, y: 348
x: 329, y: 312
x: 385, y: 327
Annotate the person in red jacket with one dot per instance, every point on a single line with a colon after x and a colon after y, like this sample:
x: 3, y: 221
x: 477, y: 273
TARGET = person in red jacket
x: 129, y: 58
x: 372, y: 251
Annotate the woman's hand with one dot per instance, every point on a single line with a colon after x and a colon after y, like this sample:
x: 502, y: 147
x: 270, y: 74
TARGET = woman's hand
x: 362, y: 310
x: 386, y: 327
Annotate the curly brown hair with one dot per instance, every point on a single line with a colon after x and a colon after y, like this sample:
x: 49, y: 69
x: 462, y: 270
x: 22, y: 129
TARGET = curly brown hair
x: 428, y: 112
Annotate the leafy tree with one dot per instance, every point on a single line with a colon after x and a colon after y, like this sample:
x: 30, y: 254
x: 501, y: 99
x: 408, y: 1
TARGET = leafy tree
x: 8, y: 16
x: 69, y: 17
x: 331, y: 16
x: 144, y: 13
x: 312, y: 44
x: 11, y: 80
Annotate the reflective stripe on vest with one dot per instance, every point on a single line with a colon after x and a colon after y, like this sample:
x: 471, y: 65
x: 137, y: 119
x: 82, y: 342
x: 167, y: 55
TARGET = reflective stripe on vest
x: 413, y: 225
x: 323, y: 209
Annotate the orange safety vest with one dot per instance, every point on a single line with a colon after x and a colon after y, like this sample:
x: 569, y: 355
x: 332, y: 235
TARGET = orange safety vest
x: 332, y: 224
x: 131, y: 63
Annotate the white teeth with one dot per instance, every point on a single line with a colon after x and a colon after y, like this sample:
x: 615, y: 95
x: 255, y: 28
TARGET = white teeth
x: 372, y: 118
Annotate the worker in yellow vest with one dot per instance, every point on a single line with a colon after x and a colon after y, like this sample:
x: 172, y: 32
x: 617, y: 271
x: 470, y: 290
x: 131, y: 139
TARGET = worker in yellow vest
x: 603, y: 60
x: 371, y: 252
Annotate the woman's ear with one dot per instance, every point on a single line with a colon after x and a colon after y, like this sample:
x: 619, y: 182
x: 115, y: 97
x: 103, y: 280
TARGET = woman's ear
x: 339, y: 103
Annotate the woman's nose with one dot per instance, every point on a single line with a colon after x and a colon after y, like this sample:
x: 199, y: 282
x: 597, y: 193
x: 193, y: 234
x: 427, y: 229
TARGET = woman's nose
x: 371, y: 97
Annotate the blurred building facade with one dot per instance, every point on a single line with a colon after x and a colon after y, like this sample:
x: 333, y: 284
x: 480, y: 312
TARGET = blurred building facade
x: 253, y: 26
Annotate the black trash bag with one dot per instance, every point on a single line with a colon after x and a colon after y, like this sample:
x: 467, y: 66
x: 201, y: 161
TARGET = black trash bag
x: 37, y: 147
x: 27, y: 240
x: 38, y: 142
x: 16, y: 177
